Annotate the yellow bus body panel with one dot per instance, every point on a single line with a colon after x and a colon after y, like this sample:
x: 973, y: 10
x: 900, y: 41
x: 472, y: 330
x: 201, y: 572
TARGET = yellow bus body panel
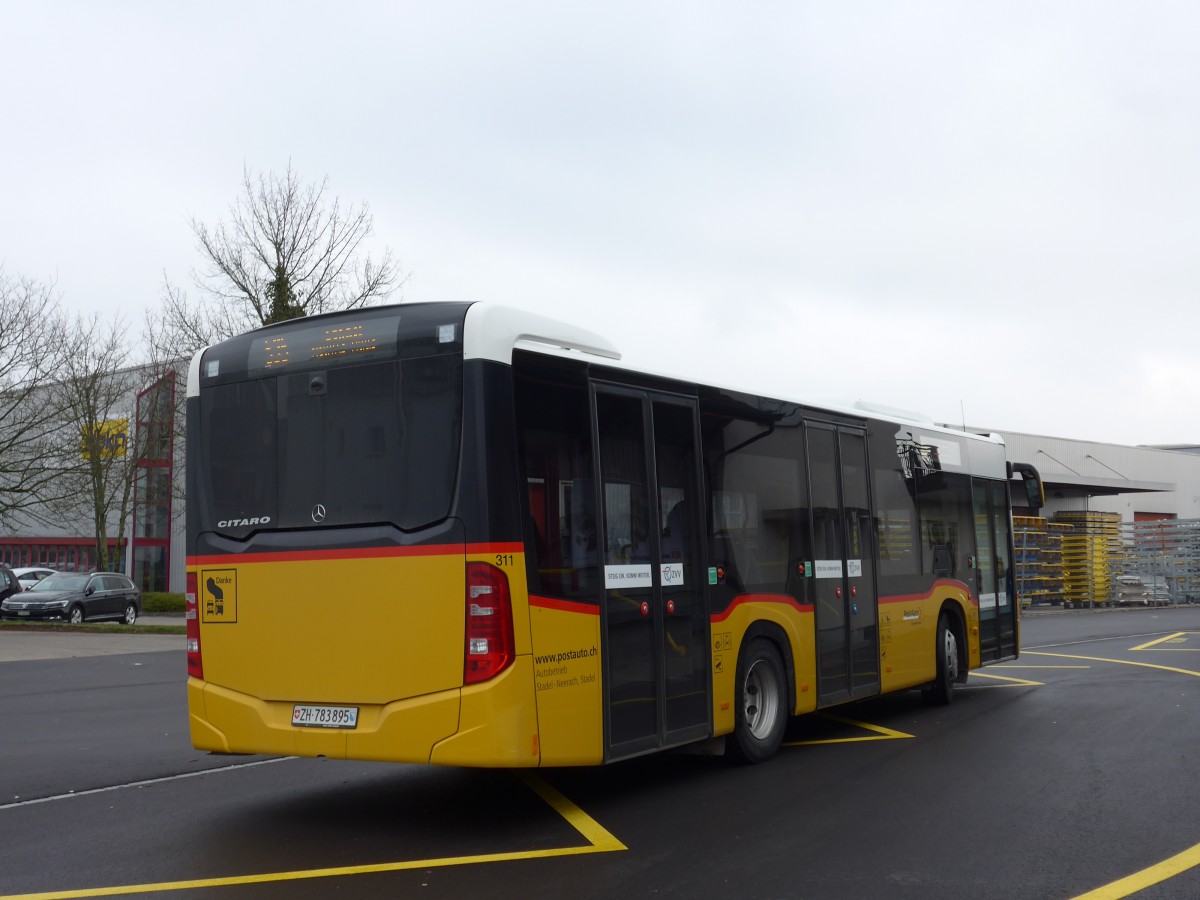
x: 729, y: 634
x: 568, y: 683
x: 497, y: 725
x: 908, y: 635
x: 381, y: 633
x: 361, y: 631
x: 225, y: 721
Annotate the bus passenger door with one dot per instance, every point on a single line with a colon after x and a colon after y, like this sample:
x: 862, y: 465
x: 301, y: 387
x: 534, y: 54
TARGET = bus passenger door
x: 997, y: 605
x: 655, y: 641
x: 843, y: 565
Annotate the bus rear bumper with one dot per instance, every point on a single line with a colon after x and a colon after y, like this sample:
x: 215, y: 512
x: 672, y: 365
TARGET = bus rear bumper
x: 499, y: 723
x: 491, y: 724
x: 226, y: 721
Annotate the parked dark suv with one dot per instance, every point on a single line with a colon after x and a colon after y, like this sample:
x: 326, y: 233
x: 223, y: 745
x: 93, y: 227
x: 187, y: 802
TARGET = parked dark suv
x: 74, y: 598
x: 9, y: 583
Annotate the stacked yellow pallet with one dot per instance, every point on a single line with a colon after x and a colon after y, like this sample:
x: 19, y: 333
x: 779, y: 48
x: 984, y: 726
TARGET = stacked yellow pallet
x: 1089, y: 552
x: 1030, y: 541
x: 1053, y: 560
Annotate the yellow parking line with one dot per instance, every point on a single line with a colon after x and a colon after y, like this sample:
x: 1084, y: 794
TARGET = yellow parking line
x: 1012, y: 682
x: 599, y: 840
x: 1168, y: 868
x: 1161, y: 640
x: 1119, y: 662
x: 1152, y: 875
x: 1035, y: 667
x: 880, y: 734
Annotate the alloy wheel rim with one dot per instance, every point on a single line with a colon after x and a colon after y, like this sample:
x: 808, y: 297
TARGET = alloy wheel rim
x: 951, y: 655
x: 762, y: 699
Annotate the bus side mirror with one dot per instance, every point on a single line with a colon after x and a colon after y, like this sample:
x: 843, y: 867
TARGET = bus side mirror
x: 1031, y: 481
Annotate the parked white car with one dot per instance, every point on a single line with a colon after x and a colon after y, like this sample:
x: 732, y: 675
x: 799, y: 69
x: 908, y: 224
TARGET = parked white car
x: 31, y: 576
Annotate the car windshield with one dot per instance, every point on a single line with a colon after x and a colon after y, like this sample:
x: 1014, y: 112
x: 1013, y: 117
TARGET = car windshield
x: 61, y: 583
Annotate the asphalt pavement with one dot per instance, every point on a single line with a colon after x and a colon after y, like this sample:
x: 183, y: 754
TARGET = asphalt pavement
x: 19, y: 644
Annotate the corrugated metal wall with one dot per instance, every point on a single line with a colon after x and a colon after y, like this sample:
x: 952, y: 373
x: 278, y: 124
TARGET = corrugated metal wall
x: 1108, y: 462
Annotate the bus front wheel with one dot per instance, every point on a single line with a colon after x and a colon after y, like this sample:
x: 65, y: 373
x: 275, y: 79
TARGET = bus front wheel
x: 760, y: 714
x: 942, y: 690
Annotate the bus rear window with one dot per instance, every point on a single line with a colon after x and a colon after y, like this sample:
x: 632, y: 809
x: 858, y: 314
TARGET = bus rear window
x: 351, y: 445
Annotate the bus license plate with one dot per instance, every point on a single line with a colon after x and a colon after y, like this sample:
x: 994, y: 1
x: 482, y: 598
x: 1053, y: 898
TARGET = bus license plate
x: 325, y: 716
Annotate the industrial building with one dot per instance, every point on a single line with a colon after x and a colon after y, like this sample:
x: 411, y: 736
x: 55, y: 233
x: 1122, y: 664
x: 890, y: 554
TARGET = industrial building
x: 1121, y: 525
x: 143, y: 430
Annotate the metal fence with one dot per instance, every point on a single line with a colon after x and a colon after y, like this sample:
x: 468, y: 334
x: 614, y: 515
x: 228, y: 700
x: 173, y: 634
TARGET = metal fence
x: 1088, y: 559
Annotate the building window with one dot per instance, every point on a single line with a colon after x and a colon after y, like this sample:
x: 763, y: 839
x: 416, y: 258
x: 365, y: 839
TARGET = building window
x: 152, y: 489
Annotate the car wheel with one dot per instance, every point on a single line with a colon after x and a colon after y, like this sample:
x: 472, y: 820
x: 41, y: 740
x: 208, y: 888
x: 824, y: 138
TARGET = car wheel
x: 75, y: 616
x: 130, y: 614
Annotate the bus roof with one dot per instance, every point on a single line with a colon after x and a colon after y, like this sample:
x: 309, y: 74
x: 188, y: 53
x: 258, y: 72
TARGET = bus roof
x: 494, y: 331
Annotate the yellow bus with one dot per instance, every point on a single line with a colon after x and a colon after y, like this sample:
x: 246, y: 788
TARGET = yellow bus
x: 461, y: 534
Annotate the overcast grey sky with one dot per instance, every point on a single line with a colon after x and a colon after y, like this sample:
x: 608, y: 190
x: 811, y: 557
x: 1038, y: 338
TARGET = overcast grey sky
x: 967, y: 209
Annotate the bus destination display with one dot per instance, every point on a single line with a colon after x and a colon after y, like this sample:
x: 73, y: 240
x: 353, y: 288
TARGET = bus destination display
x: 325, y: 344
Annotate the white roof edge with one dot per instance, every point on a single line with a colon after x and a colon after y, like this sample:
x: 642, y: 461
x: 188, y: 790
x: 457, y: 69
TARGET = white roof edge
x: 893, y: 412
x: 193, y: 380
x: 492, y: 331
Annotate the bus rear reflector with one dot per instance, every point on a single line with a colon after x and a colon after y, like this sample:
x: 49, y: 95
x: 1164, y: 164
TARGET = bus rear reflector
x: 195, y: 664
x: 489, y: 649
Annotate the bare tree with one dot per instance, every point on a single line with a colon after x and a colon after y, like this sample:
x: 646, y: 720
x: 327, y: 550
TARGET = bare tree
x: 31, y: 354
x: 94, y: 392
x: 287, y: 250
x: 179, y: 328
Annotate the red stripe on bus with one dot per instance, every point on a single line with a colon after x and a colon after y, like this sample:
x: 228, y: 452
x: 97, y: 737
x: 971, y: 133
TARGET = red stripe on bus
x: 511, y: 547
x: 761, y: 598
x: 487, y: 549
x: 940, y: 583
x: 574, y: 606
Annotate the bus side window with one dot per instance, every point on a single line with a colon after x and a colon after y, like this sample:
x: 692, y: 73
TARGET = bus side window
x: 760, y: 505
x: 675, y: 536
x: 942, y: 506
x: 554, y: 441
x: 943, y: 560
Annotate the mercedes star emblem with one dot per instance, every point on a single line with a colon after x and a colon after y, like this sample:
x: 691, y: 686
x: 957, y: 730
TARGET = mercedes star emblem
x: 318, y: 513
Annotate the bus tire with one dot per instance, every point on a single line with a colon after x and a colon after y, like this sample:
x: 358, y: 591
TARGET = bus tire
x: 760, y: 714
x: 942, y: 690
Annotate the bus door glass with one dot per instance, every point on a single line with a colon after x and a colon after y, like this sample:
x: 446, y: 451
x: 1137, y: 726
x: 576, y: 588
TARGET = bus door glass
x: 1008, y: 606
x: 656, y: 625
x: 843, y: 565
x: 997, y: 607
x: 860, y: 565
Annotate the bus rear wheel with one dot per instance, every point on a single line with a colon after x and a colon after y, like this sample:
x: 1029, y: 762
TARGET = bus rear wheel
x: 760, y: 715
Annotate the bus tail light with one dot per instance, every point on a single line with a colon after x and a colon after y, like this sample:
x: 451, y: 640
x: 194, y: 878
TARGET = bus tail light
x: 195, y: 664
x: 489, y: 648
